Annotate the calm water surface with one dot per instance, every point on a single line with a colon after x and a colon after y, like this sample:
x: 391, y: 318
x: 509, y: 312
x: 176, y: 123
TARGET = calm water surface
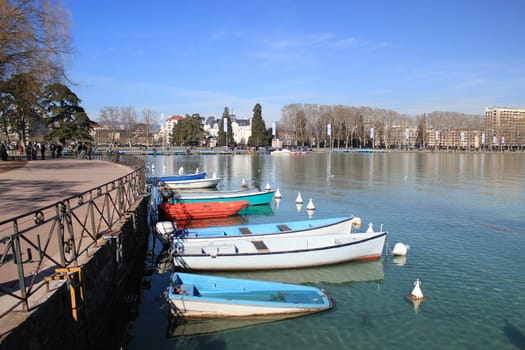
x: 461, y: 214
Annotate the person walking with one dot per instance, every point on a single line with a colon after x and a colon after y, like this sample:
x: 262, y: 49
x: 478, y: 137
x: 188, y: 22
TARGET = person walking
x: 59, y: 151
x: 43, y: 150
x: 53, y: 149
x: 29, y: 151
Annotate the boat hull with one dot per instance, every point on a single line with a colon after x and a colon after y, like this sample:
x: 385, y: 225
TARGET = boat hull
x: 192, y: 184
x: 156, y: 179
x: 186, y: 211
x: 253, y: 197
x: 214, y: 296
x: 278, y: 252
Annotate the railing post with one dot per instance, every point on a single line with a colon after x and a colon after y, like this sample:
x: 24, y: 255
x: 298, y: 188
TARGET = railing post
x: 61, y: 208
x: 20, y: 266
x: 71, y: 240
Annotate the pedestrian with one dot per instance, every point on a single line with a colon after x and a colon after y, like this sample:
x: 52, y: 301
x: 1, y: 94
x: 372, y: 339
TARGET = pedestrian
x: 3, y: 152
x: 53, y: 149
x: 29, y: 151
x: 88, y: 150
x: 34, y: 151
x: 43, y: 150
x: 59, y: 151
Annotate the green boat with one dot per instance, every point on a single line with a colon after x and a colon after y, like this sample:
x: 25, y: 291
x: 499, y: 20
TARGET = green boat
x: 254, y: 196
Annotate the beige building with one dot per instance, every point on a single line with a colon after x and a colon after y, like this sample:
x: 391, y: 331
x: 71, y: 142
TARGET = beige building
x: 505, y: 127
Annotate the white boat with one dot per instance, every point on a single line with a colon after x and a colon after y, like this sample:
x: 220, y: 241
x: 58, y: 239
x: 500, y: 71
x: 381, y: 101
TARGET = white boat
x: 281, y: 152
x: 283, y: 251
x: 195, y: 295
x: 166, y: 229
x: 192, y: 183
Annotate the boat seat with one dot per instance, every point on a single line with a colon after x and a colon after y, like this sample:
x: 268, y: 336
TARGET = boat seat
x: 189, y: 289
x: 260, y: 246
x: 283, y: 228
x: 245, y: 231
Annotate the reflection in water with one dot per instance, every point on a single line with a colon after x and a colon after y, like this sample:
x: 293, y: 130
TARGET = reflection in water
x: 181, y: 326
x: 516, y: 336
x: 334, y: 274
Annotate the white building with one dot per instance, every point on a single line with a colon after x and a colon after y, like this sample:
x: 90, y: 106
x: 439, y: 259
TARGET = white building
x: 241, y: 129
x: 166, y: 129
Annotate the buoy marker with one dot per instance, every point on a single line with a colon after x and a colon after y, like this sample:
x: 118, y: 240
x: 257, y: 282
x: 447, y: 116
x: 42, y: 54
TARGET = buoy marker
x: 277, y: 194
x: 299, y: 199
x: 310, y: 205
x: 268, y: 187
x: 356, y: 222
x: 244, y: 185
x: 417, y: 293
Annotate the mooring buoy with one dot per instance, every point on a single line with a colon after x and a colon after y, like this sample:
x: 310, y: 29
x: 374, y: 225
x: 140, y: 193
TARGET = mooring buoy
x: 400, y: 249
x: 417, y: 293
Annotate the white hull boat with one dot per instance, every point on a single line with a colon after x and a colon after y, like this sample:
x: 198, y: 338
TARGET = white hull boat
x: 192, y: 184
x: 277, y: 251
x: 195, y: 295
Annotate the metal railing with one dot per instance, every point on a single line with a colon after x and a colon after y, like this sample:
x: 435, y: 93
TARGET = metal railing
x: 63, y: 234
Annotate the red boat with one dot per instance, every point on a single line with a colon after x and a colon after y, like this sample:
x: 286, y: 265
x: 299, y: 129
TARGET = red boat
x: 201, y: 210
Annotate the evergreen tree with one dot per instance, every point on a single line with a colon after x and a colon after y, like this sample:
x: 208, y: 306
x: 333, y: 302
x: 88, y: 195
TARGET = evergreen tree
x: 259, y: 136
x: 221, y: 137
x: 421, y: 127
x: 66, y: 119
x: 189, y: 132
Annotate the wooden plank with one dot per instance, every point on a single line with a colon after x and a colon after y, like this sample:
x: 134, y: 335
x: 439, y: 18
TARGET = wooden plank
x: 260, y: 246
x: 245, y: 231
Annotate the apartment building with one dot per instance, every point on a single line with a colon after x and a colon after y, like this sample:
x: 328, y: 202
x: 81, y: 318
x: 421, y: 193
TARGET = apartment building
x: 505, y: 127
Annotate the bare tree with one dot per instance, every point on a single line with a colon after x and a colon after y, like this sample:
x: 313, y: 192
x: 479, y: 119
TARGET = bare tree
x: 34, y: 38
x: 129, y: 119
x: 149, y: 116
x: 110, y: 119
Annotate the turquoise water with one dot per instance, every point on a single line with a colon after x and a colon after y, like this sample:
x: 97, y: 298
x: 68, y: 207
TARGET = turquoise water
x: 461, y: 214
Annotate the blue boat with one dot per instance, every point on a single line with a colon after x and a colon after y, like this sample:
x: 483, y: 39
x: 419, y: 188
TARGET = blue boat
x: 165, y: 230
x: 195, y: 295
x: 196, y: 176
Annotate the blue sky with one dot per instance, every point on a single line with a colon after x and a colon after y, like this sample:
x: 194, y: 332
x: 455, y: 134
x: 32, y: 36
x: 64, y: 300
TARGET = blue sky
x: 185, y: 57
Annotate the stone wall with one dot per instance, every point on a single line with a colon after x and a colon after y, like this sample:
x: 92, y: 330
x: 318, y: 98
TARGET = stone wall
x: 52, y: 326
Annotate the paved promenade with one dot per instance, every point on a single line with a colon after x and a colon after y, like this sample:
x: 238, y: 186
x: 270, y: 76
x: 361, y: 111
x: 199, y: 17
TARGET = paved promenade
x: 27, y: 186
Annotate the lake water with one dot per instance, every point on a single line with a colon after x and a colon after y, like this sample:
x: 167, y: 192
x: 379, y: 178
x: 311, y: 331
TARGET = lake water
x: 462, y: 214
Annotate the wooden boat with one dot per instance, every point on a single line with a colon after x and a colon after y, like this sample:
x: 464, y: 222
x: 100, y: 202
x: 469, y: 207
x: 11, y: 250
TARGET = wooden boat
x: 254, y: 196
x: 192, y: 183
x: 180, y: 177
x: 274, y: 251
x: 166, y: 229
x: 195, y: 295
x: 185, y: 211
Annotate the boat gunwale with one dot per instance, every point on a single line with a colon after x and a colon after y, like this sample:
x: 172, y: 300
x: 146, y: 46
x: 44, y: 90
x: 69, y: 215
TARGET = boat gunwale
x: 180, y: 235
x: 297, y: 251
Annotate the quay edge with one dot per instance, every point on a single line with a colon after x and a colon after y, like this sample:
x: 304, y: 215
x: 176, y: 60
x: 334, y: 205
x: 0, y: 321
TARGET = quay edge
x: 104, y: 276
